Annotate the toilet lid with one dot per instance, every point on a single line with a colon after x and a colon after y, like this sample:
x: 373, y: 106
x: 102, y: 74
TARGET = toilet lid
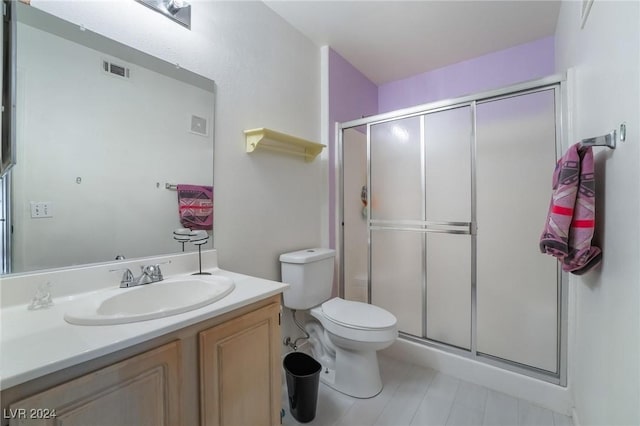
x: 357, y: 314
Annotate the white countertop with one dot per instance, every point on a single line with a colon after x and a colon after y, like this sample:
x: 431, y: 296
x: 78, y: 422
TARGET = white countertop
x: 38, y: 342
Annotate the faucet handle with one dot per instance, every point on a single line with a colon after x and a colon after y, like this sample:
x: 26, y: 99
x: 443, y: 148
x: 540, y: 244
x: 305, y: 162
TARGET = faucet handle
x: 127, y: 276
x: 148, y: 270
x: 157, y: 272
x: 153, y: 272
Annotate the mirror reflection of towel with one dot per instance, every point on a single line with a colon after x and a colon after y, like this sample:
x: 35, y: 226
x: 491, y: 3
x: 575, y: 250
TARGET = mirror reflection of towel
x: 195, y: 206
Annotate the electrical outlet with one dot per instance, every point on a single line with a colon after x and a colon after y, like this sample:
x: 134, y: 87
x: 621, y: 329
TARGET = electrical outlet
x: 41, y: 209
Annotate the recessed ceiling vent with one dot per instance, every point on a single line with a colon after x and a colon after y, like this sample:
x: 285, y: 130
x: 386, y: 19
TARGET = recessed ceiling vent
x: 115, y: 70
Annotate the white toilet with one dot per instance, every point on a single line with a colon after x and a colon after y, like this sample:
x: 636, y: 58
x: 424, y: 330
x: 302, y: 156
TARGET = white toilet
x: 351, y: 332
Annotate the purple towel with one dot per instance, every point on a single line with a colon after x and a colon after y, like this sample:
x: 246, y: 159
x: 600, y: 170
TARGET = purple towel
x: 195, y: 206
x: 571, y: 219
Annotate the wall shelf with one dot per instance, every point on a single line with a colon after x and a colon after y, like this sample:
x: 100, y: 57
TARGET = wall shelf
x: 281, y: 142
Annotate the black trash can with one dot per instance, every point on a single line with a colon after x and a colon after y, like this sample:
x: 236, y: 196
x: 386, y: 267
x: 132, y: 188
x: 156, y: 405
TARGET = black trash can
x: 303, y: 376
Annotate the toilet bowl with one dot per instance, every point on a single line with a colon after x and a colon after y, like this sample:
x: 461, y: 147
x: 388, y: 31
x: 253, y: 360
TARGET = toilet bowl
x: 354, y: 332
x: 348, y: 334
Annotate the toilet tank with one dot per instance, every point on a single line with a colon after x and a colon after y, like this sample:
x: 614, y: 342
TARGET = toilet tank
x: 309, y: 274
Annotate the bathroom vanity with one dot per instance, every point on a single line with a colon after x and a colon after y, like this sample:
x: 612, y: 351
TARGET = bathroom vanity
x: 74, y: 362
x: 215, y: 365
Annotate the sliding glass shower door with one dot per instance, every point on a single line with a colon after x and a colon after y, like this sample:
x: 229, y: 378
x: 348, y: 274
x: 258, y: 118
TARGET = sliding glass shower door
x: 456, y: 198
x: 518, y: 287
x: 448, y: 137
x: 420, y: 180
x: 396, y: 205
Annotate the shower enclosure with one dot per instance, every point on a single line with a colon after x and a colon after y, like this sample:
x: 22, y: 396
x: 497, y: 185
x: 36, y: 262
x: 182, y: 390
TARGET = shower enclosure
x: 442, y: 208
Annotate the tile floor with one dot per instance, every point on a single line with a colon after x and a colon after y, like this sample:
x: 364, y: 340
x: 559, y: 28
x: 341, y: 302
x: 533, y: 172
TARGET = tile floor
x: 421, y: 396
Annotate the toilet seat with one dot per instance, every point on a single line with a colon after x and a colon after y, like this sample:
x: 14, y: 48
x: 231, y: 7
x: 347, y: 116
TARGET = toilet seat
x: 357, y: 315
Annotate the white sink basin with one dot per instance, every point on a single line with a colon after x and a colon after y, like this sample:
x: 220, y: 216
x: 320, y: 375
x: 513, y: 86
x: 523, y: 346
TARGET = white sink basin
x: 150, y: 301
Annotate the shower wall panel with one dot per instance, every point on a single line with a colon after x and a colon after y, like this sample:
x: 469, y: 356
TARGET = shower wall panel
x: 354, y: 217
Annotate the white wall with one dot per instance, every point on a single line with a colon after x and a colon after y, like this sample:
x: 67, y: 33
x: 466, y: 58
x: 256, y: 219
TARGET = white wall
x: 119, y: 136
x: 604, y: 366
x: 267, y: 75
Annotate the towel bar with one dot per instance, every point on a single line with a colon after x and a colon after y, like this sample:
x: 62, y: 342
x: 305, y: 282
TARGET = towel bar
x: 608, y: 140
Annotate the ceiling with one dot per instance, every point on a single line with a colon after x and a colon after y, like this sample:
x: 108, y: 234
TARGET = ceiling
x: 391, y: 40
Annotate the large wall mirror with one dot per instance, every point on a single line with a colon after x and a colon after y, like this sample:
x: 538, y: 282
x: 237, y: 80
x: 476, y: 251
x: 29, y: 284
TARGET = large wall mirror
x: 104, y: 132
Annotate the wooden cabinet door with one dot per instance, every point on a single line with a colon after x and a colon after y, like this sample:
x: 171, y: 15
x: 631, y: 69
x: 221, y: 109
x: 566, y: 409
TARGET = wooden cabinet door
x: 142, y: 390
x: 240, y: 370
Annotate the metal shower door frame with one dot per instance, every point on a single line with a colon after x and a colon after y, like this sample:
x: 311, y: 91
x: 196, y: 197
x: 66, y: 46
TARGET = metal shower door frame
x: 554, y: 83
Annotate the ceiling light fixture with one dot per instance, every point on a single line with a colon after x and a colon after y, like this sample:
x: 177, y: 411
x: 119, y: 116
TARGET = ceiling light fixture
x: 176, y: 10
x: 174, y: 6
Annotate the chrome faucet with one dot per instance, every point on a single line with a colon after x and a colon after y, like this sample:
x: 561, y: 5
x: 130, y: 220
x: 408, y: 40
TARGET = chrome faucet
x: 149, y: 274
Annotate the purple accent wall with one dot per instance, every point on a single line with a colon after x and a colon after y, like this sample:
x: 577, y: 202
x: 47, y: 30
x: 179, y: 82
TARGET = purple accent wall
x: 351, y: 96
x: 527, y: 61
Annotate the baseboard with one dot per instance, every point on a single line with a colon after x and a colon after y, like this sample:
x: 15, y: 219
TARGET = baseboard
x: 538, y: 392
